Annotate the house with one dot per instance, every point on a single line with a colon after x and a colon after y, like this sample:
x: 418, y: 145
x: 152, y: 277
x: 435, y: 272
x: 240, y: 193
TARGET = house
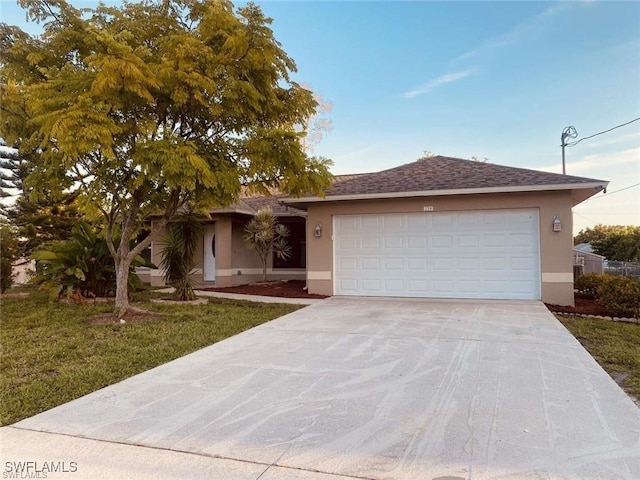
x: 439, y: 227
x: 223, y: 258
x: 587, y: 260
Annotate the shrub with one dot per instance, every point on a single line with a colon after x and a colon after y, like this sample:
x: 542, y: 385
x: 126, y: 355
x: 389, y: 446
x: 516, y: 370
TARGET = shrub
x: 587, y: 284
x: 81, y: 265
x: 620, y: 295
x: 178, y: 255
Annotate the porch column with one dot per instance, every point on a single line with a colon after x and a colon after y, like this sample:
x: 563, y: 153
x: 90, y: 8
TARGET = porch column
x: 224, y: 251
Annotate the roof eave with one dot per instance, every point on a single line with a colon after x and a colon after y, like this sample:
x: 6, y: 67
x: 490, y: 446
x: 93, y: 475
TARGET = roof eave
x: 590, y: 188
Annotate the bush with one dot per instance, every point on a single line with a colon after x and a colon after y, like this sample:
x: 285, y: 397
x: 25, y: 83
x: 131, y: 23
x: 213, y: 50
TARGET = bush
x: 81, y: 265
x: 620, y: 295
x: 587, y: 284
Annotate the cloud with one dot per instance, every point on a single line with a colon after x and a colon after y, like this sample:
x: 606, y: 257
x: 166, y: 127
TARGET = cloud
x: 593, y: 163
x: 437, y: 82
x: 525, y: 29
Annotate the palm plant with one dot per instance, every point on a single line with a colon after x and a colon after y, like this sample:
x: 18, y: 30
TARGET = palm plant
x: 81, y: 264
x: 263, y: 235
x: 178, y: 255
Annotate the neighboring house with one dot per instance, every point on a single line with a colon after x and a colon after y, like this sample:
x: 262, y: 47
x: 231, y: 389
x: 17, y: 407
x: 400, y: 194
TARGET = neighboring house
x: 438, y: 228
x: 587, y: 260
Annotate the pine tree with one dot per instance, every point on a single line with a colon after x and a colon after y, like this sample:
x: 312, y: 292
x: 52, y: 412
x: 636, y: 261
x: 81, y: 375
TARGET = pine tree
x: 37, y: 219
x: 152, y: 107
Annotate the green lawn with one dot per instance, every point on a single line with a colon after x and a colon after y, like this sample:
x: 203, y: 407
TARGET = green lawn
x: 614, y: 345
x: 51, y: 355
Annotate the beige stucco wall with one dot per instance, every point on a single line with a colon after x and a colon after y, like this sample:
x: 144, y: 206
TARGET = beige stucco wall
x: 235, y: 263
x: 555, y: 247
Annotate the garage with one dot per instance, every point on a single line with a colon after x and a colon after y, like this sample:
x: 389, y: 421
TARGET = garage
x: 483, y: 254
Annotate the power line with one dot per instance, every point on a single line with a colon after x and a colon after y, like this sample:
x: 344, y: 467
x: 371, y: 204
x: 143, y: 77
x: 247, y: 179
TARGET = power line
x: 573, y: 144
x: 606, y: 195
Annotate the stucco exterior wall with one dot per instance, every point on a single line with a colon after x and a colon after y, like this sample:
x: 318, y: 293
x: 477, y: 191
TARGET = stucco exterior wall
x: 235, y: 263
x: 555, y: 247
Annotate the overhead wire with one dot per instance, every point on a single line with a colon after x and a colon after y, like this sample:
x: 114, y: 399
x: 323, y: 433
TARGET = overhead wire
x: 573, y: 144
x: 611, y: 193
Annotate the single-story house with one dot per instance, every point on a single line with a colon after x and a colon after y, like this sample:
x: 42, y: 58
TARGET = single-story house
x: 439, y: 227
x: 587, y: 260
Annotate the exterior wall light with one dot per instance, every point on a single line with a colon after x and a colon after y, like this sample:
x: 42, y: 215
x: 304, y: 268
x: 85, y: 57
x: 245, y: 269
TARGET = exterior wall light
x: 317, y: 232
x: 557, y: 225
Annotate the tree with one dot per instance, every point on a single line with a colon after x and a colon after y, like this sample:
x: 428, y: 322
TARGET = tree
x: 599, y: 232
x: 623, y: 246
x: 615, y: 242
x: 38, y: 218
x: 154, y: 107
x: 178, y: 255
x: 8, y: 248
x: 263, y: 235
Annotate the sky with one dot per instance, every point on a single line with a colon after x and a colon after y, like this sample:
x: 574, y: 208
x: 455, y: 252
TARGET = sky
x: 495, y: 80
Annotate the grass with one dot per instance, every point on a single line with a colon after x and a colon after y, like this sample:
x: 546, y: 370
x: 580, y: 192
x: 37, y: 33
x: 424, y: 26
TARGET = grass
x: 51, y: 354
x: 614, y: 345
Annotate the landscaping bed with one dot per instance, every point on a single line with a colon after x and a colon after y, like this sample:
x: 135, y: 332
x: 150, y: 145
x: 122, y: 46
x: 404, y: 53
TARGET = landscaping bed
x: 284, y: 289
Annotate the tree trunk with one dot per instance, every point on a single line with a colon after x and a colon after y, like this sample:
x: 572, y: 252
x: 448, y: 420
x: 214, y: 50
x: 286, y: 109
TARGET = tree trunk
x: 264, y: 271
x: 122, y: 286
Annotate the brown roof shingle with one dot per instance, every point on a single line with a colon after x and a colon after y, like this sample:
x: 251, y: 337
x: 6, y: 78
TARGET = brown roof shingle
x: 448, y: 173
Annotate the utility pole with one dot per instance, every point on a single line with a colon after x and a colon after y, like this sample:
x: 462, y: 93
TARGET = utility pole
x: 568, y: 132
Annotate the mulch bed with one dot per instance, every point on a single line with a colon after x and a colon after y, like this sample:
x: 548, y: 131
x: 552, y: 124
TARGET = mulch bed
x: 584, y: 306
x: 286, y: 289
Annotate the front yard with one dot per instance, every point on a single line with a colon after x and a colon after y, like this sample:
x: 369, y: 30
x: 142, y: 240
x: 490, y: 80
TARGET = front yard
x: 51, y: 354
x: 614, y: 345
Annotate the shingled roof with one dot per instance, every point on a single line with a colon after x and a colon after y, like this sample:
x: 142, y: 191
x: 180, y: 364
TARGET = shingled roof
x: 447, y: 173
x: 250, y: 204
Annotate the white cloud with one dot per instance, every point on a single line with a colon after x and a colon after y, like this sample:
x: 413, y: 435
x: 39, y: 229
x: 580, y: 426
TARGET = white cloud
x: 437, y: 82
x: 590, y: 164
x: 525, y: 29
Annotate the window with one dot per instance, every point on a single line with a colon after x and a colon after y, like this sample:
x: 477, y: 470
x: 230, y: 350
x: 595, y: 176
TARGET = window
x: 297, y: 240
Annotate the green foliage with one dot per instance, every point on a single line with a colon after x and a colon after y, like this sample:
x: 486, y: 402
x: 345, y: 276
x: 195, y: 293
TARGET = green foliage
x: 615, y: 242
x: 622, y: 246
x: 179, y: 252
x: 51, y: 353
x: 39, y: 218
x: 592, y: 234
x: 150, y: 107
x: 615, y: 346
x: 620, y: 295
x: 587, y: 284
x: 263, y: 235
x: 8, y: 253
x: 81, y: 265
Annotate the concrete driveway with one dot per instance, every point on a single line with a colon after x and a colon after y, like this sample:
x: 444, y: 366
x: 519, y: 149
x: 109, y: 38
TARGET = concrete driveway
x: 356, y: 388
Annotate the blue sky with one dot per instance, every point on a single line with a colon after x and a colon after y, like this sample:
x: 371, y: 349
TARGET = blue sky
x: 486, y: 79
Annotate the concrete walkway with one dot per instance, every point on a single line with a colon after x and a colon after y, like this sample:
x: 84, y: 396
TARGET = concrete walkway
x: 356, y: 388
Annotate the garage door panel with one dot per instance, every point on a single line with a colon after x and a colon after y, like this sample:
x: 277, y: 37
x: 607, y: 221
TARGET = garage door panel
x: 482, y: 254
x: 349, y: 264
x: 394, y: 264
x: 369, y: 242
x: 494, y: 240
x: 442, y: 241
x: 392, y: 242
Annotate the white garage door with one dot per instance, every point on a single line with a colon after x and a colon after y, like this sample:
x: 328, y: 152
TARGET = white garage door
x: 478, y: 254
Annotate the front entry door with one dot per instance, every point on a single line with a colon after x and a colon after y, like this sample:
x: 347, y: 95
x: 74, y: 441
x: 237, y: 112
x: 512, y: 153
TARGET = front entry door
x: 210, y: 252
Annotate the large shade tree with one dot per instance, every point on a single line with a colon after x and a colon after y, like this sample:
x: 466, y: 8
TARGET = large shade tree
x: 155, y: 107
